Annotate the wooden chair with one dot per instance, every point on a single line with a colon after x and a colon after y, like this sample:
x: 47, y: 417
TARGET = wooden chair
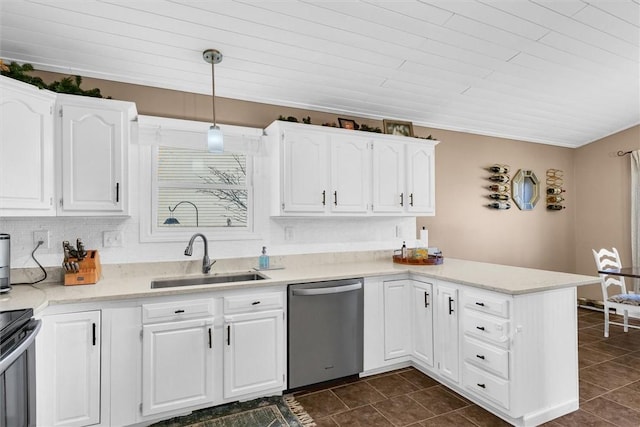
x: 625, y: 302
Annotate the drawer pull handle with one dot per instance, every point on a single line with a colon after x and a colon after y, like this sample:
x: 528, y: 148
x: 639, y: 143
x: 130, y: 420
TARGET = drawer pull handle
x: 450, y: 305
x: 480, y: 328
x: 94, y: 335
x: 426, y: 299
x: 228, y: 334
x: 210, y: 343
x: 482, y: 386
x: 480, y: 356
x: 481, y: 304
x: 179, y: 311
x: 255, y: 303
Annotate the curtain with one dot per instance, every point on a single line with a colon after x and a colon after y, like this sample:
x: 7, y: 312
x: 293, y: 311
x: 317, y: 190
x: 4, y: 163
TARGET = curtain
x: 635, y: 210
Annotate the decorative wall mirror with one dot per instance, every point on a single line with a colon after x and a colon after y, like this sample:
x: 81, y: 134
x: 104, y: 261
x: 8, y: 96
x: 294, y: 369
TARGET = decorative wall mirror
x: 525, y: 189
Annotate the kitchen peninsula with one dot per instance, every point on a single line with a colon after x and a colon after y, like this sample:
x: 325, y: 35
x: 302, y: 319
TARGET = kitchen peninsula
x: 504, y: 337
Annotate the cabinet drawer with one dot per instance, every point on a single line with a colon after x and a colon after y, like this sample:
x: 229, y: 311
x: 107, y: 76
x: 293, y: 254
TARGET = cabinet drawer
x: 487, y: 357
x: 486, y: 385
x: 253, y: 302
x: 486, y: 328
x: 177, y: 310
x: 486, y: 304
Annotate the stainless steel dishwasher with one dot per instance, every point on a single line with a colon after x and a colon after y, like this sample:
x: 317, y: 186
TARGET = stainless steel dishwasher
x: 325, y: 331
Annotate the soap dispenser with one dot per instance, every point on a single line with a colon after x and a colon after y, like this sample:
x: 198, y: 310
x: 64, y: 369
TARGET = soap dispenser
x: 263, y: 262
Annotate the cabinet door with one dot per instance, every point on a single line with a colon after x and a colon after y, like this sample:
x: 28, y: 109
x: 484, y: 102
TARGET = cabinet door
x: 253, y: 353
x: 350, y: 175
x: 397, y: 319
x: 423, y: 322
x: 68, y: 366
x: 93, y: 160
x: 388, y: 177
x: 26, y: 150
x: 177, y: 365
x: 305, y: 172
x: 448, y: 357
x: 420, y: 179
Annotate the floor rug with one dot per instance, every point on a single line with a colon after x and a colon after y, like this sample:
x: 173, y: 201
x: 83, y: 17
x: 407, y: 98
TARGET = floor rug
x: 275, y: 411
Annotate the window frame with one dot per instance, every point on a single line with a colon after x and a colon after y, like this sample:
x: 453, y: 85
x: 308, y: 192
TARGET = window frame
x: 154, y: 132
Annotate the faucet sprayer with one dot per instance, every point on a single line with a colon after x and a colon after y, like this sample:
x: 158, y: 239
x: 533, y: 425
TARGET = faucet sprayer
x: 206, y: 262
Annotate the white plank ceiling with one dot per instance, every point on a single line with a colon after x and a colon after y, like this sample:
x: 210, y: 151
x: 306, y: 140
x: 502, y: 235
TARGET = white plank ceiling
x: 561, y: 72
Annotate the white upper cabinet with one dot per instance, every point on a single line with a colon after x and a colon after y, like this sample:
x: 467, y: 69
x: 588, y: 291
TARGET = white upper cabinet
x: 305, y: 171
x: 323, y: 171
x: 62, y: 154
x: 421, y: 194
x: 94, y: 144
x: 388, y: 177
x: 26, y: 150
x: 350, y: 172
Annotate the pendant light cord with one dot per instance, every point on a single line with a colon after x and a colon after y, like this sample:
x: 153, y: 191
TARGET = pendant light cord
x: 213, y: 92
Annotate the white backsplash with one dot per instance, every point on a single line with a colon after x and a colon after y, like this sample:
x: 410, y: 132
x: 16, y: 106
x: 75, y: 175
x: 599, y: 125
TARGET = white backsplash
x: 285, y: 236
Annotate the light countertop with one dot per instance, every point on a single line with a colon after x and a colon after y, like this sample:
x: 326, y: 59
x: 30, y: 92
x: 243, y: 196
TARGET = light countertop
x: 132, y: 281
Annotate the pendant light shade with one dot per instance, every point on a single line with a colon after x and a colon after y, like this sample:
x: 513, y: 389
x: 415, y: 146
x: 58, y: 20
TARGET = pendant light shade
x: 215, y: 143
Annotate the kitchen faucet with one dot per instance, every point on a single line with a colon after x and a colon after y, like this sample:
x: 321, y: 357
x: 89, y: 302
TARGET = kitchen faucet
x: 206, y: 262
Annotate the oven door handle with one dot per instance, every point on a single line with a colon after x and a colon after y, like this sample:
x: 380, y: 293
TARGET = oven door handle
x: 324, y: 291
x: 22, y: 347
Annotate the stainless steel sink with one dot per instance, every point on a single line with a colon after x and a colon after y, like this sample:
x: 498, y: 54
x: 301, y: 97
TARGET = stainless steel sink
x: 207, y: 280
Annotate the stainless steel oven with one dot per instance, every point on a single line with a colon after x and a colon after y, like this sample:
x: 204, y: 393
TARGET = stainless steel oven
x: 18, y: 330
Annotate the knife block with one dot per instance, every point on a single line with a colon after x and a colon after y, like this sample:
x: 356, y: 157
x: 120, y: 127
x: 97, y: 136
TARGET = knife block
x: 89, y: 270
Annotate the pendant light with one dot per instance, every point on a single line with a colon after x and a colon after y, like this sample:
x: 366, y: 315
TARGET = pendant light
x: 214, y: 136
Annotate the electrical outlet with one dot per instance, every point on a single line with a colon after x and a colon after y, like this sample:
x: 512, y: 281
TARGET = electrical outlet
x: 288, y: 234
x: 112, y: 239
x: 41, y: 235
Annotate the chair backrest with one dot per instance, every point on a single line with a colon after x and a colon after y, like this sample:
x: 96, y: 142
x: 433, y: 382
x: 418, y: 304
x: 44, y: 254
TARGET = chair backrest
x: 609, y: 259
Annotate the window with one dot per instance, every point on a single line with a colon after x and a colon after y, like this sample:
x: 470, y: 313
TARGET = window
x: 198, y: 189
x: 183, y: 189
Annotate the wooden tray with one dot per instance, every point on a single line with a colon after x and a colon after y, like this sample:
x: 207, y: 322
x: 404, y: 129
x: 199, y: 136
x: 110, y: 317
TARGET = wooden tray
x: 89, y: 271
x: 431, y: 260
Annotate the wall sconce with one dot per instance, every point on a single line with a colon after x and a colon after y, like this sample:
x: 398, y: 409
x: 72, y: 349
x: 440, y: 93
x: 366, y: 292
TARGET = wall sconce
x: 173, y: 221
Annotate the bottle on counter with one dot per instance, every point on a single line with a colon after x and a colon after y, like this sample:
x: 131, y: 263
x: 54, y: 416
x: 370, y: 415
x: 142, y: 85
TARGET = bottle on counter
x: 263, y: 261
x: 404, y: 250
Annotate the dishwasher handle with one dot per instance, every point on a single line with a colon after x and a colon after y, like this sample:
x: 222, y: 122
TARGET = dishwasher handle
x: 328, y: 290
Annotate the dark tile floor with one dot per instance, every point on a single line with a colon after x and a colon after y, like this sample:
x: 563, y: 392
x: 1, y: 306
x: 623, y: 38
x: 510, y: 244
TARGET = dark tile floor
x: 609, y: 391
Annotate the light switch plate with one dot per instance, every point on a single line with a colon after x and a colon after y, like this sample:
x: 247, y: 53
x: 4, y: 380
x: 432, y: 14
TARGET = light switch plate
x: 112, y: 239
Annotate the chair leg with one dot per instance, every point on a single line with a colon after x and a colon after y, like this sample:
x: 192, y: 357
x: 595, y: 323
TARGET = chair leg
x: 626, y: 321
x: 606, y: 322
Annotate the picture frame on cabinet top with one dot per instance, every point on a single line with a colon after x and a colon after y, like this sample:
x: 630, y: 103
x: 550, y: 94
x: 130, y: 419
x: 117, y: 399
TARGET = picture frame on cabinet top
x: 347, y: 124
x: 395, y: 127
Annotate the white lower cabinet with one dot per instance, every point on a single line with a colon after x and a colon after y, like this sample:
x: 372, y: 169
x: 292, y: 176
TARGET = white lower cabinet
x: 68, y: 365
x: 422, y: 312
x: 397, y: 318
x: 253, y: 353
x: 177, y: 355
x: 448, y: 347
x: 514, y: 355
x: 177, y: 365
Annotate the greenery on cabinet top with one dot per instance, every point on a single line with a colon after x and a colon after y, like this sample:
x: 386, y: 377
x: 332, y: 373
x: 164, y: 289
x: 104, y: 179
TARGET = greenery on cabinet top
x: 69, y: 85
